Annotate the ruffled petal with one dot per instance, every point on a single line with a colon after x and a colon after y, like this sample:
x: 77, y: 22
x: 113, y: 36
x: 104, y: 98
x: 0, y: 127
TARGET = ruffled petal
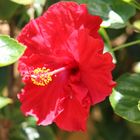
x: 50, y: 33
x: 95, y: 68
x: 50, y: 103
x: 71, y: 14
x: 44, y: 102
x: 76, y: 106
x: 65, y: 36
x: 74, y: 115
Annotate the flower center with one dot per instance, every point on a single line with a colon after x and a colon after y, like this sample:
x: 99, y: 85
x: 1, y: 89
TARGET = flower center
x: 43, y: 76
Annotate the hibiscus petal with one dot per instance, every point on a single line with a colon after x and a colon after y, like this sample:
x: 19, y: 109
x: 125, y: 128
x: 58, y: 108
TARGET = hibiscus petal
x: 44, y: 102
x: 28, y: 64
x: 74, y: 116
x: 76, y: 106
x: 49, y: 33
x: 95, y: 68
x: 73, y: 15
x: 64, y: 38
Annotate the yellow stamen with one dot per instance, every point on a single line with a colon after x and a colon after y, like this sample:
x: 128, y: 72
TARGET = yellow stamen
x: 41, y: 76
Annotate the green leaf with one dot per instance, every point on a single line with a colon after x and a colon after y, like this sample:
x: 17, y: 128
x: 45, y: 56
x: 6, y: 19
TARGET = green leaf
x: 10, y: 50
x: 125, y: 98
x: 115, y: 14
x: 4, y: 101
x: 23, y: 2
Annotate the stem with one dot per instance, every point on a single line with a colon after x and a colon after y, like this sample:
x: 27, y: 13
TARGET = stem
x: 136, y: 4
x: 126, y: 45
x: 106, y: 37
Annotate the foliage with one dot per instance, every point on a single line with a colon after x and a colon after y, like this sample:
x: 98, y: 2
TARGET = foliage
x: 24, y: 2
x: 125, y: 99
x: 120, y: 29
x: 10, y: 50
x: 114, y: 13
x: 4, y: 101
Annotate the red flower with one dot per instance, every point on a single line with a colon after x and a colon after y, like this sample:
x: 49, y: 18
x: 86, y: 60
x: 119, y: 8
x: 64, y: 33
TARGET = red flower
x: 64, y: 68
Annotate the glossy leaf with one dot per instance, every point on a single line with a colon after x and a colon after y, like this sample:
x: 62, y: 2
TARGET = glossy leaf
x: 125, y: 98
x: 115, y: 14
x: 10, y: 50
x: 24, y: 2
x: 4, y: 101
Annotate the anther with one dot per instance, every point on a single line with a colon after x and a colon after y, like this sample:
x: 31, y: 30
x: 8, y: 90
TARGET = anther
x: 43, y: 76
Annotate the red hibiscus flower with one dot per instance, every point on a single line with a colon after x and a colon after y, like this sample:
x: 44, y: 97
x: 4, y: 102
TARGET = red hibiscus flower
x: 64, y: 68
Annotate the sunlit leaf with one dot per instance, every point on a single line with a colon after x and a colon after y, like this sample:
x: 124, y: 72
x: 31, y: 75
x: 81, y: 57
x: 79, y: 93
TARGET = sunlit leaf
x: 4, y: 101
x: 139, y: 105
x: 125, y: 98
x: 10, y: 50
x: 136, y: 67
x: 136, y: 24
x: 24, y: 2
